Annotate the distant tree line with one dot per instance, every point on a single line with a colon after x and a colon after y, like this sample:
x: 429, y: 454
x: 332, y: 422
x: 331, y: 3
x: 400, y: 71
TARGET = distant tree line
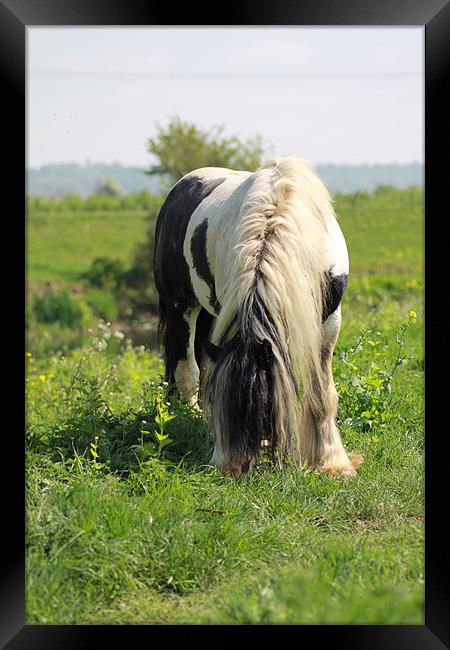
x: 181, y: 146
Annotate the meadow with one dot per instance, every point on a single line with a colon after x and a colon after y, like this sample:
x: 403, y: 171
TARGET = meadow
x: 127, y: 523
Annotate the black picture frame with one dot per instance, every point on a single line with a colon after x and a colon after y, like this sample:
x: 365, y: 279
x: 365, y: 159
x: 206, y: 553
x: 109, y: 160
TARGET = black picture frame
x: 434, y: 16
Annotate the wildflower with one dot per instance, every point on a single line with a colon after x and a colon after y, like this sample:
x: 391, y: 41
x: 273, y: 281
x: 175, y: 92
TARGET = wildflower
x: 413, y: 316
x: 42, y: 378
x: 28, y: 354
x: 119, y: 335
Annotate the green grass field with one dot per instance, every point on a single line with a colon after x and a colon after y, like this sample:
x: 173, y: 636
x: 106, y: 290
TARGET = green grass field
x: 61, y: 246
x: 122, y: 528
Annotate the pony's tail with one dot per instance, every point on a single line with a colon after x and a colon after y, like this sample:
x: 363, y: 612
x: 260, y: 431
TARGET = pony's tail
x: 162, y: 323
x: 279, y: 260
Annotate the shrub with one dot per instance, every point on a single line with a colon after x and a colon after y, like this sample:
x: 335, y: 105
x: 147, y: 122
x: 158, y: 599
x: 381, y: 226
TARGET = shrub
x: 57, y: 308
x: 366, y: 398
x: 109, y: 187
x: 104, y: 272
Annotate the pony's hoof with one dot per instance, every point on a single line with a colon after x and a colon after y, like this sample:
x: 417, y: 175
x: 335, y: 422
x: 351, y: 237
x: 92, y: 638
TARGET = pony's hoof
x: 346, y: 471
x: 342, y: 470
x: 231, y: 470
x: 356, y: 460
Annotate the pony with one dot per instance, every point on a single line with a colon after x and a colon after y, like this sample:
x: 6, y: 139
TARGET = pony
x: 251, y: 269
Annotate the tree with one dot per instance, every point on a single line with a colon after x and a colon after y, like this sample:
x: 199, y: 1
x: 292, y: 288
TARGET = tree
x: 182, y: 147
x: 109, y: 187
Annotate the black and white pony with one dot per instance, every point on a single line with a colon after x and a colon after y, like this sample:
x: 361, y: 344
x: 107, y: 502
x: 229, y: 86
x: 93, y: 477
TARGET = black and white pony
x: 251, y: 269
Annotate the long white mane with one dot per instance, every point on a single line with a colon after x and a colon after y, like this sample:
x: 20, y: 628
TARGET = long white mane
x: 279, y: 264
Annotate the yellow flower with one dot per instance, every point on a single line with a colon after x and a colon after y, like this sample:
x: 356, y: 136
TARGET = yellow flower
x: 28, y: 354
x: 412, y: 314
x: 41, y: 377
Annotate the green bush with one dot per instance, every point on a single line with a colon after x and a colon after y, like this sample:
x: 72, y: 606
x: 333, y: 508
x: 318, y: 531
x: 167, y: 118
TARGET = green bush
x: 57, y: 308
x: 365, y: 397
x: 104, y: 272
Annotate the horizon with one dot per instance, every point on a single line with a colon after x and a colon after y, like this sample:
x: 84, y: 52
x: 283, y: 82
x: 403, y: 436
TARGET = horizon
x: 59, y: 180
x: 88, y: 163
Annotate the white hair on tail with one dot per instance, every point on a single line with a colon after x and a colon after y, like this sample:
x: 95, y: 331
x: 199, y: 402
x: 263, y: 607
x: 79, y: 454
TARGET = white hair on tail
x: 279, y: 258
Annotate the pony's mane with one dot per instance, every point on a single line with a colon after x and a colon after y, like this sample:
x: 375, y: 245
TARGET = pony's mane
x: 276, y: 286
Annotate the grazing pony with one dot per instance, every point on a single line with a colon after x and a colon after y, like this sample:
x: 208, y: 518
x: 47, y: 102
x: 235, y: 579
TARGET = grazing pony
x: 251, y: 269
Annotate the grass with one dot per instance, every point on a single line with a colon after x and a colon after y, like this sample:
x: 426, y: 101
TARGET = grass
x: 384, y: 233
x: 61, y: 246
x: 120, y: 530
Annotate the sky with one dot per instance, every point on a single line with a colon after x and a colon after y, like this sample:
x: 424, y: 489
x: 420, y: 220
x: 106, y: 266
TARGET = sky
x: 327, y: 95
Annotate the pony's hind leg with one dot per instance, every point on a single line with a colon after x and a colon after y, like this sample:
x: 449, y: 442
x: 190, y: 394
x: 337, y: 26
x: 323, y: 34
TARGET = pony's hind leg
x: 320, y: 441
x: 181, y: 366
x: 202, y: 331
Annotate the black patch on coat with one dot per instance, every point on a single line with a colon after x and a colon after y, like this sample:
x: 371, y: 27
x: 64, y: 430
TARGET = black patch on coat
x: 335, y: 286
x: 202, y: 331
x: 170, y: 269
x: 201, y: 264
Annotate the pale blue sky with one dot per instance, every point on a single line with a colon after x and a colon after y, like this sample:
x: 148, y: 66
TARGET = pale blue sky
x: 329, y: 95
